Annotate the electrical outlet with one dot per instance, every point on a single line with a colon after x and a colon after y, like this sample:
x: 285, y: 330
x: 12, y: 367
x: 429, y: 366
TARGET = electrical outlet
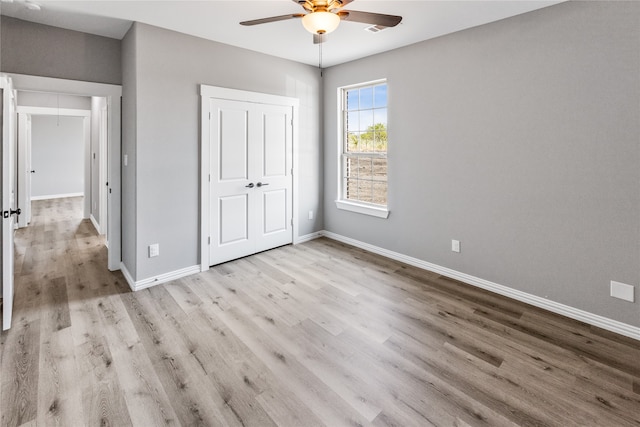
x: 125, y: 160
x: 310, y: 215
x: 455, y: 245
x: 154, y: 250
x: 622, y: 291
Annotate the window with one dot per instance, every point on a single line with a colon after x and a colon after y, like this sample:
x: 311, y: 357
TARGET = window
x: 363, y: 153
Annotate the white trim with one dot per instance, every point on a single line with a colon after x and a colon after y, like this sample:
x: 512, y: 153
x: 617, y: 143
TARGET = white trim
x: 86, y: 123
x: 56, y: 196
x: 157, y: 280
x: 128, y: 277
x: 69, y: 87
x: 205, y: 180
x: 294, y: 166
x: 555, y: 307
x: 365, y: 84
x: 308, y: 237
x: 380, y: 212
x: 47, y: 111
x: 206, y: 93
x: 103, y: 167
x: 95, y: 223
x: 342, y: 203
x: 246, y: 96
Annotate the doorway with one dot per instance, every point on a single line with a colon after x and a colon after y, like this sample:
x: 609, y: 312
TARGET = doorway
x: 112, y: 95
x: 248, y: 170
x: 53, y: 157
x: 9, y: 85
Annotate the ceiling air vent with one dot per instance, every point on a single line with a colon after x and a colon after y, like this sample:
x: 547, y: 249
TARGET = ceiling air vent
x: 375, y: 28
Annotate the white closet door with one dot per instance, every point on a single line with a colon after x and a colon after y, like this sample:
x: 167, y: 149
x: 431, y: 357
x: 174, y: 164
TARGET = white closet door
x: 274, y: 184
x: 251, y: 199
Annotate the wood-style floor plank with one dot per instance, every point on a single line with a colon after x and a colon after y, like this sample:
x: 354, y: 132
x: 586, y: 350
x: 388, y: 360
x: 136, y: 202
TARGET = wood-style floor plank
x: 20, y: 373
x: 318, y: 334
x: 58, y: 393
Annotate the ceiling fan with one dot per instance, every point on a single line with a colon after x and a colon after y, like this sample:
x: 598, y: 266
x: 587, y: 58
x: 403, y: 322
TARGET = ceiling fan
x: 324, y: 16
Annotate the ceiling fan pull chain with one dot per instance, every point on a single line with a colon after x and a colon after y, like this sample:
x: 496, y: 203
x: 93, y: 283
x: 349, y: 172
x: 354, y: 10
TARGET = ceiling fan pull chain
x: 320, y: 58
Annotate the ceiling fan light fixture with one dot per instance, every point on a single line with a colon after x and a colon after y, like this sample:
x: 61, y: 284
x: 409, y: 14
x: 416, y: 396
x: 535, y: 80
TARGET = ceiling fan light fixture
x: 32, y: 6
x: 320, y: 22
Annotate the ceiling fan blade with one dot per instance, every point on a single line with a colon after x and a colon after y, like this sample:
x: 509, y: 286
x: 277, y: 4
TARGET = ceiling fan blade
x: 272, y: 19
x: 319, y: 38
x: 370, y: 18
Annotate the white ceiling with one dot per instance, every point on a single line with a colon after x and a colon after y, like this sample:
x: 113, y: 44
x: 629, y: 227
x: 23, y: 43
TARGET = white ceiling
x: 218, y: 20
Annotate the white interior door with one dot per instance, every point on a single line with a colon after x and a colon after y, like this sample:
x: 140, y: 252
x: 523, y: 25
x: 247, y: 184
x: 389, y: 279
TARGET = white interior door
x: 251, y: 181
x: 8, y: 199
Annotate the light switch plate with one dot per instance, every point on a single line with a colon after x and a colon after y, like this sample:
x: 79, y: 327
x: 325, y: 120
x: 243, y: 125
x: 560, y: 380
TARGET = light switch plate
x: 455, y: 245
x: 154, y: 250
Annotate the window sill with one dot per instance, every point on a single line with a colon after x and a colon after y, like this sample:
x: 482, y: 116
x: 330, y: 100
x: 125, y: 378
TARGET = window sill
x: 377, y: 211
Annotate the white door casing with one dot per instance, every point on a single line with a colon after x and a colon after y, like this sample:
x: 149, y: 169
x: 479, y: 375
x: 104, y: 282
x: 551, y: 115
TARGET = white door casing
x: 8, y: 199
x: 247, y: 184
x: 103, y: 169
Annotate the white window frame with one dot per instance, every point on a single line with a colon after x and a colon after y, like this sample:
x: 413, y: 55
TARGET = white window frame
x: 379, y: 211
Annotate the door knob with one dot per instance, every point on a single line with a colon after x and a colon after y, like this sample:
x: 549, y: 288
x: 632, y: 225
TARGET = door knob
x: 260, y: 184
x: 251, y: 185
x: 33, y: 171
x: 7, y: 214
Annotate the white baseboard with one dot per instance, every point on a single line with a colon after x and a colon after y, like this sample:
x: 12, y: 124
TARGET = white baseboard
x: 56, y: 196
x: 308, y: 237
x: 555, y: 307
x: 156, y: 280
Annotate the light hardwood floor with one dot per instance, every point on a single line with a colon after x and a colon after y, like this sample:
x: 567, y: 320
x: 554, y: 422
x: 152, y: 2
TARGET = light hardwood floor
x: 316, y: 334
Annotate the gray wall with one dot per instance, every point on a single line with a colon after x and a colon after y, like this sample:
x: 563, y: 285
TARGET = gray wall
x: 163, y: 140
x: 129, y: 137
x: 521, y: 139
x: 57, y: 155
x: 42, y: 50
